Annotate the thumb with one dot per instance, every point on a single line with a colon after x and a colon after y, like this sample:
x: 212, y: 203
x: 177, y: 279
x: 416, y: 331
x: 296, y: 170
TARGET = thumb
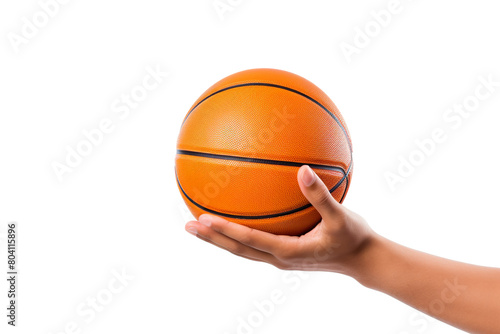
x: 317, y: 193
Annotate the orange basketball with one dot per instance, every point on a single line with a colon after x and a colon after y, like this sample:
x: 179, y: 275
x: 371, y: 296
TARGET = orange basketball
x: 242, y: 142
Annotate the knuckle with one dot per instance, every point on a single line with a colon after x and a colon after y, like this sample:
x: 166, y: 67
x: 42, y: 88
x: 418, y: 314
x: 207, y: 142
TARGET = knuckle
x: 206, y: 234
x: 323, y: 198
x: 248, y: 238
x: 220, y: 227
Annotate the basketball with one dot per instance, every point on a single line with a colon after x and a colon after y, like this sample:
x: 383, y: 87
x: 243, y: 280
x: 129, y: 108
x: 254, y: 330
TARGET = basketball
x: 242, y: 142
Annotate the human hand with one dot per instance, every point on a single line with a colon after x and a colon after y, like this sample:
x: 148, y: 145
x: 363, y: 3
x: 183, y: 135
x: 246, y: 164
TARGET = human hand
x: 463, y: 295
x: 333, y: 245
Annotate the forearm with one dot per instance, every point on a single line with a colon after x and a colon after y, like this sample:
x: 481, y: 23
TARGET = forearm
x: 463, y: 295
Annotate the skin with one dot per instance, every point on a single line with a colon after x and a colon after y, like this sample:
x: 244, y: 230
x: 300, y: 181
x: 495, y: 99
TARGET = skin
x: 463, y: 295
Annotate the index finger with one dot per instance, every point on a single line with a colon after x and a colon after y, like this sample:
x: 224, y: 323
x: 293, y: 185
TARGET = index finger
x: 263, y: 241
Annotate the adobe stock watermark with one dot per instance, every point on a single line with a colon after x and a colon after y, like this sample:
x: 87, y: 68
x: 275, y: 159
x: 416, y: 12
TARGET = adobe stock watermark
x: 32, y: 25
x: 184, y: 213
x: 363, y: 36
x: 421, y: 323
x: 452, y: 118
x: 449, y: 294
x: 121, y: 108
x: 223, y: 7
x: 89, y: 309
x: 218, y: 181
x: 252, y: 144
x: 265, y: 308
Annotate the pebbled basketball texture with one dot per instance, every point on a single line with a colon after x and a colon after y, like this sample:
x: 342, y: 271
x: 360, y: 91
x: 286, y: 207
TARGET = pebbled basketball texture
x: 242, y: 142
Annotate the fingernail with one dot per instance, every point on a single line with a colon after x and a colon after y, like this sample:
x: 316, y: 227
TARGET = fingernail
x: 308, y: 176
x: 192, y: 230
x: 205, y: 220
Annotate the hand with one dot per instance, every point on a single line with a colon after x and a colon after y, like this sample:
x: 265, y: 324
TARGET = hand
x: 463, y: 295
x: 333, y: 245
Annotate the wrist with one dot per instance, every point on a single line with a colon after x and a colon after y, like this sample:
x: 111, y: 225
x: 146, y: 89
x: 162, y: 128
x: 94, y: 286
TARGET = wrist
x: 370, y: 260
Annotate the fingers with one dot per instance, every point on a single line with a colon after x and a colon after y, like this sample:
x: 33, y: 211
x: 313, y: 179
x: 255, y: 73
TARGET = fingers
x: 220, y: 240
x: 260, y: 240
x: 317, y: 193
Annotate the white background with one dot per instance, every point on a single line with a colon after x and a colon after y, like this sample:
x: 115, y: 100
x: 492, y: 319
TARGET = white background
x: 120, y: 207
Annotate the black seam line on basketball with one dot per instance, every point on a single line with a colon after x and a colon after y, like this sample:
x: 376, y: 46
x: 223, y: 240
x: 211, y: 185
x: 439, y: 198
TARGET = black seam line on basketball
x: 258, y: 161
x: 346, y: 184
x: 345, y: 190
x: 228, y: 215
x: 281, y: 87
